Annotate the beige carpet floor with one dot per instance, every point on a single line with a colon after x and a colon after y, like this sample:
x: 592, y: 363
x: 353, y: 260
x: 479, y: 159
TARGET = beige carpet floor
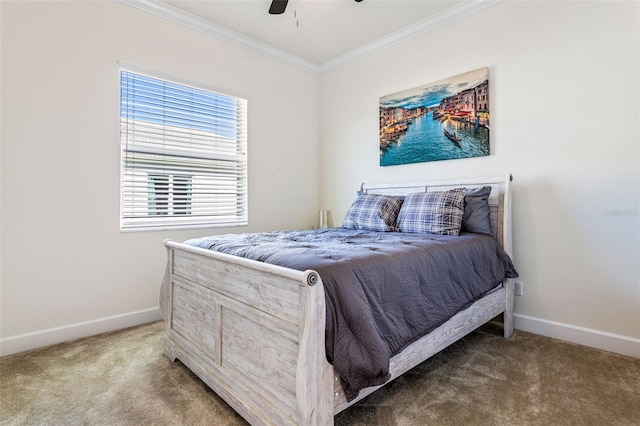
x: 122, y: 378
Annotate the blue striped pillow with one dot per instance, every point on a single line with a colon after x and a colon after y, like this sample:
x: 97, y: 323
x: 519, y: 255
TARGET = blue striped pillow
x: 432, y: 212
x: 372, y: 212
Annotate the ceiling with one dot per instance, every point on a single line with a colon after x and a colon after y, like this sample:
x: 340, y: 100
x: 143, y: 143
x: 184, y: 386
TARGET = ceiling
x: 314, y: 34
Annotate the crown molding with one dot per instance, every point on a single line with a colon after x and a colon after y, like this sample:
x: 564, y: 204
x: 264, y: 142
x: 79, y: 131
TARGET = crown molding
x: 446, y: 16
x: 222, y: 33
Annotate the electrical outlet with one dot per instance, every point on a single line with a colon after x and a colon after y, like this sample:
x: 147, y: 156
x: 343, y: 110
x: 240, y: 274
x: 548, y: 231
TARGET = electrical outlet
x: 517, y: 288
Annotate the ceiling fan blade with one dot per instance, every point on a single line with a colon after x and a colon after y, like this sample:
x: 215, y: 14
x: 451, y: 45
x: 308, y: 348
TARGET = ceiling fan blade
x: 278, y: 7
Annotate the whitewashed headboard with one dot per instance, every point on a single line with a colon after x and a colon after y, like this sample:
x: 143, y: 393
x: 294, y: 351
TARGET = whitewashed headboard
x: 499, y: 199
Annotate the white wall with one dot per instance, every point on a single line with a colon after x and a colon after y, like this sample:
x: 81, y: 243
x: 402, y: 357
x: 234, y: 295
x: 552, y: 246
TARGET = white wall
x: 66, y: 267
x: 565, y: 120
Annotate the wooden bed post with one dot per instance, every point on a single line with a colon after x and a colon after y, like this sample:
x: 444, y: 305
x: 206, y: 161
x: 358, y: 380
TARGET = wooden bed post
x: 508, y: 312
x: 314, y: 385
x: 507, y: 246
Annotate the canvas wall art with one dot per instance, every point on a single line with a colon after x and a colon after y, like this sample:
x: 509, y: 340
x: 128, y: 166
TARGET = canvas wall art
x: 444, y: 120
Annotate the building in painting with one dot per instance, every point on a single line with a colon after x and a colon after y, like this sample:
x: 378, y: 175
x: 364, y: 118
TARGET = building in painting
x: 481, y: 93
x: 470, y: 105
x: 394, y: 122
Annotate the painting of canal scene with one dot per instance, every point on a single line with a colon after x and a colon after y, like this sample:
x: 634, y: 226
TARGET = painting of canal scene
x: 445, y: 120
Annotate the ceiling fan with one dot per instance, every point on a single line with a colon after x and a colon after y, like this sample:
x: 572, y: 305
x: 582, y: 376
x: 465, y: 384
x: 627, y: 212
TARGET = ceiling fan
x: 278, y: 6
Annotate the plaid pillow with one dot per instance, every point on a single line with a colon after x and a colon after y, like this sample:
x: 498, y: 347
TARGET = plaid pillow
x: 373, y: 213
x: 432, y: 212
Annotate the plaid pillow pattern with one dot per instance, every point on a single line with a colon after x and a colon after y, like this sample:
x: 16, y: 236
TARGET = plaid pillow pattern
x: 373, y: 213
x: 432, y: 212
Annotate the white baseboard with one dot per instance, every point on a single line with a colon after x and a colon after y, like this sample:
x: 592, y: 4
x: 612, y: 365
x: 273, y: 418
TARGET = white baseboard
x: 52, y: 336
x: 583, y: 336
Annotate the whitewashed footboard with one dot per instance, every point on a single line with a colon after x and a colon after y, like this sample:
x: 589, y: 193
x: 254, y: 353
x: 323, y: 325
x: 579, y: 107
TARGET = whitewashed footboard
x: 254, y: 332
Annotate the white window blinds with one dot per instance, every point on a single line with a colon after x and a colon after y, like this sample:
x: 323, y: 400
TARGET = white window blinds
x: 184, y: 159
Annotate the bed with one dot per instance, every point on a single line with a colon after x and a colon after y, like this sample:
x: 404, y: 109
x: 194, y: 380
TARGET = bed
x: 254, y: 331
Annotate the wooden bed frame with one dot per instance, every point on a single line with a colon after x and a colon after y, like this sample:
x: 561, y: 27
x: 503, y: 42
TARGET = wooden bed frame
x: 254, y: 332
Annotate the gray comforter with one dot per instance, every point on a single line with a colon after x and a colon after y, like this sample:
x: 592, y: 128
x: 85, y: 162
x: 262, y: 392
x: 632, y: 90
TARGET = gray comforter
x: 384, y: 290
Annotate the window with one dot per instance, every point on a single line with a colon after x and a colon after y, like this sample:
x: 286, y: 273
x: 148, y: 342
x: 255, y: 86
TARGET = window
x: 163, y: 188
x: 184, y: 160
